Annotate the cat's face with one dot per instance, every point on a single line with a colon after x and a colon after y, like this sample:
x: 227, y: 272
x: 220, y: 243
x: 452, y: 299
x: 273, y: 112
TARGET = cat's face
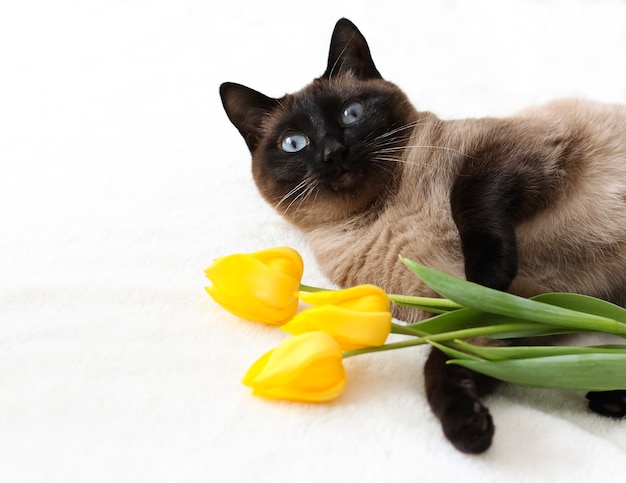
x: 331, y: 149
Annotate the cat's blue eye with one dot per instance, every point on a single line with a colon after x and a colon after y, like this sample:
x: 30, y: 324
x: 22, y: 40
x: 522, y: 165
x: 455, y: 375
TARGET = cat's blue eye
x: 294, y: 142
x: 351, y: 113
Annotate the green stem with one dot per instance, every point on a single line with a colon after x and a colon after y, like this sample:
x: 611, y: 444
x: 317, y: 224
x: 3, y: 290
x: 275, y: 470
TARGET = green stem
x: 309, y: 288
x: 426, y: 302
x: 444, y: 337
x: 407, y: 330
x: 386, y: 347
x: 481, y: 331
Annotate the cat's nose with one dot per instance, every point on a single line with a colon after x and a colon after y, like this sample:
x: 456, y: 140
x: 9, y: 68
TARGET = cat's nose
x: 334, y: 151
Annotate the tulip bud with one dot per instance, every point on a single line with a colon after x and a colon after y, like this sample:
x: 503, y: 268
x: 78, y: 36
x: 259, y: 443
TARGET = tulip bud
x: 306, y: 367
x: 357, y: 317
x: 259, y: 286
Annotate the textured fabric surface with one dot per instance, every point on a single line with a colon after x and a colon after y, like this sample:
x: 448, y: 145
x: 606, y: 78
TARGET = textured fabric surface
x: 121, y: 179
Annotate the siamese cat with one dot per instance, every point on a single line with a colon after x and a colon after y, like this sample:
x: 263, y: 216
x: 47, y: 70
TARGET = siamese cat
x: 528, y: 204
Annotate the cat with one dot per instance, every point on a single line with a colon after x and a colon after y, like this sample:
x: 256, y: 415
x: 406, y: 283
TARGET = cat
x: 531, y: 203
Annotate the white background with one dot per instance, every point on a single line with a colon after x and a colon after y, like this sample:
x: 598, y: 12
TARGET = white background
x: 121, y: 179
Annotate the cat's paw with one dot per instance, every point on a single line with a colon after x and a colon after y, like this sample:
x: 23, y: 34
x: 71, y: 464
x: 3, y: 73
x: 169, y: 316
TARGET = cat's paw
x: 608, y: 403
x: 468, y: 425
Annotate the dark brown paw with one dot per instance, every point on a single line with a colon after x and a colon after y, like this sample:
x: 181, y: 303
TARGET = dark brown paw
x: 469, y: 426
x: 608, y: 403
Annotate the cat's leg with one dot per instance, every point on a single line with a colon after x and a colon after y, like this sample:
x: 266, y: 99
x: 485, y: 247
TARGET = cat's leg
x: 453, y: 393
x: 608, y: 403
x: 488, y: 243
x: 488, y: 198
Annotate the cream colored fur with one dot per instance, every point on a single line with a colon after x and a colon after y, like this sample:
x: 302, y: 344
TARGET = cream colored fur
x: 578, y: 244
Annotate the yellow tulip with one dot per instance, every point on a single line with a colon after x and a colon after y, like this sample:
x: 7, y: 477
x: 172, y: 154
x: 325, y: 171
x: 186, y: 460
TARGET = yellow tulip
x: 357, y: 317
x: 306, y: 367
x: 258, y: 286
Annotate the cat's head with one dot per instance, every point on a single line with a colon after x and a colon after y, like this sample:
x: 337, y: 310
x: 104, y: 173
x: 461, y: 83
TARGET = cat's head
x: 328, y: 151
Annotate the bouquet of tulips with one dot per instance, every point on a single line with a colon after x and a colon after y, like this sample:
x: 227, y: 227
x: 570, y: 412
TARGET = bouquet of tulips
x: 266, y: 286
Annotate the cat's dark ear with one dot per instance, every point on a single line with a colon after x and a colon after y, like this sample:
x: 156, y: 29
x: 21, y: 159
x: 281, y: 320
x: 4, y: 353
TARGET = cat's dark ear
x: 246, y: 109
x: 349, y: 52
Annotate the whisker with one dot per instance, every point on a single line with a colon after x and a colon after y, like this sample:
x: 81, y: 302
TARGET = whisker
x: 383, y: 165
x: 404, y: 127
x: 422, y: 146
x: 305, y: 188
x: 390, y: 158
x: 378, y: 144
x: 304, y: 195
x: 299, y: 186
x: 410, y: 125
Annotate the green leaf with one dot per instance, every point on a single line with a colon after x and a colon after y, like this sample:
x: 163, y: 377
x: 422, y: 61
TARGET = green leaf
x: 583, y: 303
x: 526, y: 352
x: 584, y: 372
x: 451, y: 351
x: 455, y: 320
x: 476, y: 296
x: 464, y: 319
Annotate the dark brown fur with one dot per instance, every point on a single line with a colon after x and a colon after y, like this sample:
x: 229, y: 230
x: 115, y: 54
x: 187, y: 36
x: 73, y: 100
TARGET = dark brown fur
x: 531, y: 203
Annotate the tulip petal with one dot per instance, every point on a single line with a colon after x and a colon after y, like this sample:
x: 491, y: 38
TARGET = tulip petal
x: 283, y: 260
x: 304, y: 368
x: 365, y: 298
x: 322, y: 381
x: 243, y: 274
x: 250, y: 376
x: 258, y: 286
x: 295, y: 353
x: 356, y: 317
x: 251, y: 309
x: 351, y: 329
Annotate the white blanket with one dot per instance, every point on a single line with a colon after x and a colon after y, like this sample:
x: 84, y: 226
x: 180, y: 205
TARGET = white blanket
x: 121, y: 179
